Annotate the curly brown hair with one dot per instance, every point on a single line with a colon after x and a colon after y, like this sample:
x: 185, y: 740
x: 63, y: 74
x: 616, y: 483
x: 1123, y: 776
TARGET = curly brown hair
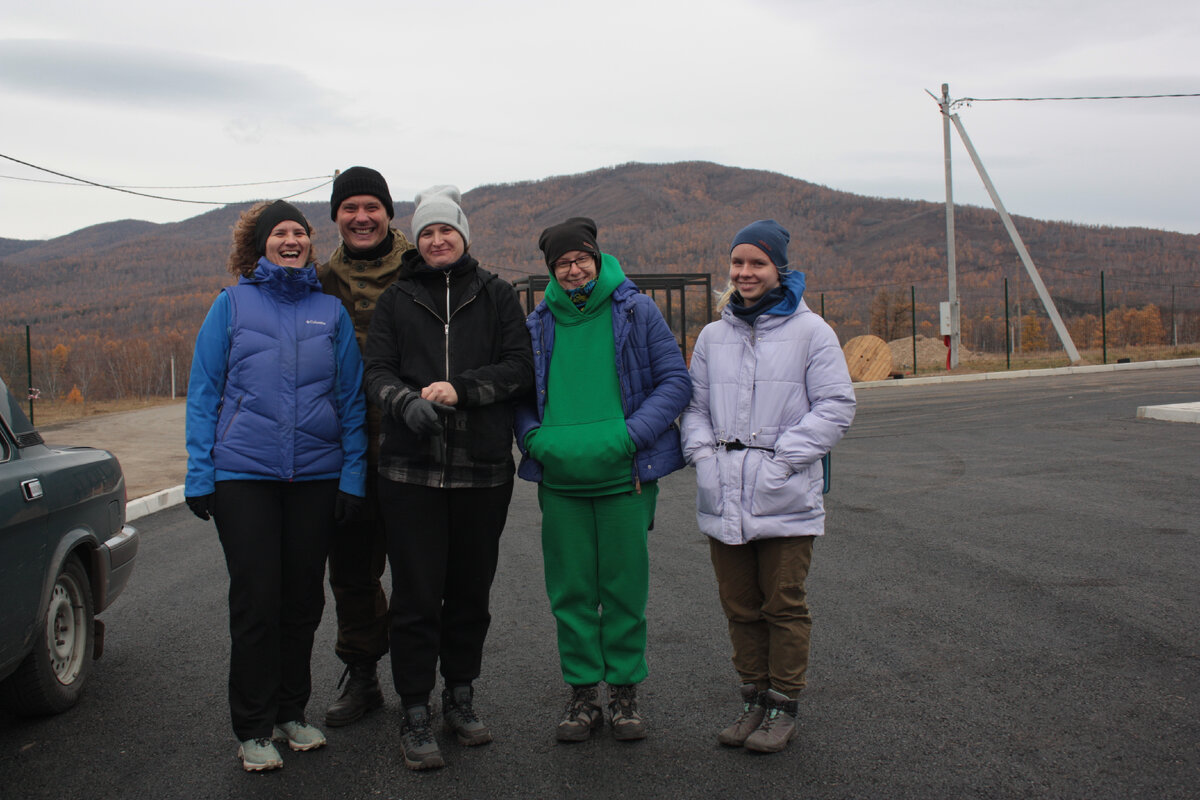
x: 243, y: 256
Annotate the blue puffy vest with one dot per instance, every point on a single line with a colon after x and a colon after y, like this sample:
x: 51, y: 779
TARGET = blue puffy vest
x: 278, y: 416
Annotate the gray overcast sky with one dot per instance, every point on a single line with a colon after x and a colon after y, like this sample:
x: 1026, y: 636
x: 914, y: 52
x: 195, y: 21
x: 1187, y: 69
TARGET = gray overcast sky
x: 160, y: 94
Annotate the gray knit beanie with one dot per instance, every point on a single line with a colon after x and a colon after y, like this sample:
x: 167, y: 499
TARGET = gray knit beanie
x: 440, y: 204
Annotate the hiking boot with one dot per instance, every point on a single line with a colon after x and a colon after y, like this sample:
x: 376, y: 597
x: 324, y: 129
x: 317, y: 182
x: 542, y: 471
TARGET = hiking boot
x: 417, y: 745
x: 779, y: 725
x: 362, y: 694
x: 458, y: 712
x: 299, y: 735
x: 258, y: 755
x: 627, y: 724
x: 583, y: 715
x: 750, y: 718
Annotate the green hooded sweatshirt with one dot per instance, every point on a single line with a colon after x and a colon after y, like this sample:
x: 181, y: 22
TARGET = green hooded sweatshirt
x: 583, y: 444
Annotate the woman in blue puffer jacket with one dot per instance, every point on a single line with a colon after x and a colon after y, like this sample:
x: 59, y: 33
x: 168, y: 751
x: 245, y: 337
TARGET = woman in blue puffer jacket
x: 276, y: 444
x: 771, y: 396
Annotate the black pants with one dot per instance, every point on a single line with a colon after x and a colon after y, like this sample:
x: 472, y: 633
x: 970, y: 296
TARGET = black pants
x: 356, y: 562
x: 276, y: 537
x: 443, y: 545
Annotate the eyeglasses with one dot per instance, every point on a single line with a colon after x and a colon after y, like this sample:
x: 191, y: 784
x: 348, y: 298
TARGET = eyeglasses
x: 564, y: 264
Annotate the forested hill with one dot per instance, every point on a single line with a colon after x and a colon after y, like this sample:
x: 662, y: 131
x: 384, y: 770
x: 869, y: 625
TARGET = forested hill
x: 131, y: 280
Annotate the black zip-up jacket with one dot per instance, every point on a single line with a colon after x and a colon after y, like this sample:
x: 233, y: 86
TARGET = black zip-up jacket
x: 464, y: 325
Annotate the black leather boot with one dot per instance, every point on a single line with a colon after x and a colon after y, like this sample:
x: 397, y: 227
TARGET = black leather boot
x: 362, y: 694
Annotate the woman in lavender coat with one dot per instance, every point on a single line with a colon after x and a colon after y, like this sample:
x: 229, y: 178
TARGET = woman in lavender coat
x: 771, y: 395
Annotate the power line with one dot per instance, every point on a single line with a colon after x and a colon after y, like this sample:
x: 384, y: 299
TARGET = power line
x: 153, y: 196
x: 967, y: 101
x: 209, y: 186
x: 1082, y: 97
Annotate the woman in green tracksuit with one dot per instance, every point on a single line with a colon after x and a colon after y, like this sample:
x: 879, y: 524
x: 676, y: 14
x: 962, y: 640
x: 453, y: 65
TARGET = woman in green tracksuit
x: 610, y: 382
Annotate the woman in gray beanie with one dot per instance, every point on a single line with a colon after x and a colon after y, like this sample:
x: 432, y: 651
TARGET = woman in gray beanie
x: 446, y: 356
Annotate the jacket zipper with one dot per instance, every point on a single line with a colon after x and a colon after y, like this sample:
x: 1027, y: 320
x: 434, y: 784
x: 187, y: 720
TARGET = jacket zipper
x: 446, y: 376
x: 232, y: 418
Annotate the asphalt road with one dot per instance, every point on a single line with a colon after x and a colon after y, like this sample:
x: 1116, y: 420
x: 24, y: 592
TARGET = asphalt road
x: 1005, y: 603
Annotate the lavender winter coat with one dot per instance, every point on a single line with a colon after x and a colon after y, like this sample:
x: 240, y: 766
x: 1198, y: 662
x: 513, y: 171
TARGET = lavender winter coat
x: 781, y: 387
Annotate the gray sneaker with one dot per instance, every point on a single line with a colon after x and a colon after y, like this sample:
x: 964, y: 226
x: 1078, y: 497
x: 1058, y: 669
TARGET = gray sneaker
x: 627, y: 724
x: 458, y: 712
x: 258, y: 755
x: 750, y: 718
x: 583, y: 715
x: 417, y: 745
x: 779, y: 725
x: 299, y: 735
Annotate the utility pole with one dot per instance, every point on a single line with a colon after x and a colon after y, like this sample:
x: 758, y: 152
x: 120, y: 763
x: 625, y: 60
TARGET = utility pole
x: 945, y: 103
x: 952, y: 280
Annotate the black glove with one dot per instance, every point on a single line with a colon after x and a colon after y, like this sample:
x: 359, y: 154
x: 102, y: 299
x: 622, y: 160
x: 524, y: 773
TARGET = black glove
x: 346, y: 508
x: 201, y: 506
x: 421, y: 416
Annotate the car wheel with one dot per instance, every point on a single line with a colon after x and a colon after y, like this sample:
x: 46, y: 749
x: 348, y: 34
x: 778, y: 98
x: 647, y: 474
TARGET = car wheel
x: 51, y: 677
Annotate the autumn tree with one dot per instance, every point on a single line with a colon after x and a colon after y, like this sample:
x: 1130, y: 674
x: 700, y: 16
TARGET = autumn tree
x: 86, y: 364
x: 890, y: 315
x: 12, y: 361
x: 1146, y: 326
x: 54, y: 368
x: 1085, y: 331
x: 1033, y: 337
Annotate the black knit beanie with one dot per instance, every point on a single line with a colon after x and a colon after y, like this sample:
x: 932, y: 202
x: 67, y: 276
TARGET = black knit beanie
x: 272, y: 215
x: 360, y: 180
x: 577, y: 233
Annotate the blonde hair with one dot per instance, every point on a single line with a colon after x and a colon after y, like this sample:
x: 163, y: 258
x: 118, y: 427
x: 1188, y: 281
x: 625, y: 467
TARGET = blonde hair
x: 243, y: 257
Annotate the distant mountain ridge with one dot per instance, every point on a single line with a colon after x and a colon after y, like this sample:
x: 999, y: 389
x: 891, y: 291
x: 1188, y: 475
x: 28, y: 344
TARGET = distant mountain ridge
x: 130, y: 279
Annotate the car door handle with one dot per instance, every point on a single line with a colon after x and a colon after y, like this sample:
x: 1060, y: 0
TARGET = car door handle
x: 32, y: 489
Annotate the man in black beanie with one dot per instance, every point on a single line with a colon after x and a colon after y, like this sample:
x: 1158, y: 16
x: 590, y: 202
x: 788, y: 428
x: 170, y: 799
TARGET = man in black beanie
x: 365, y: 263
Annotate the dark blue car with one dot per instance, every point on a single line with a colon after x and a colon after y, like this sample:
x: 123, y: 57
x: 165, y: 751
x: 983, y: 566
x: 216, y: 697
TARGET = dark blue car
x: 65, y: 555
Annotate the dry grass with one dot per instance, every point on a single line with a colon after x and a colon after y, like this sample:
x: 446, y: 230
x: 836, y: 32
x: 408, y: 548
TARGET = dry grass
x: 61, y: 411
x: 995, y: 362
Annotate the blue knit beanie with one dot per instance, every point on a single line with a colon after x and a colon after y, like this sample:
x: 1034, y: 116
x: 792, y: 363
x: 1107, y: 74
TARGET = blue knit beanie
x: 769, y: 236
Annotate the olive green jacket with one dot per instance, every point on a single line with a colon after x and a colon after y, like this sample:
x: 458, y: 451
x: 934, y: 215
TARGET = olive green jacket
x: 358, y: 283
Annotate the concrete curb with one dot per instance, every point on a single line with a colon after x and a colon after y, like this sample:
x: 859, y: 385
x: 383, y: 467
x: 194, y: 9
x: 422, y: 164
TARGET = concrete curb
x: 1176, y: 412
x: 1032, y: 373
x: 144, y: 506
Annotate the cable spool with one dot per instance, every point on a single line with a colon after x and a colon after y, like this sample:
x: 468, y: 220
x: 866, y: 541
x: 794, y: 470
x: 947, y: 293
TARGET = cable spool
x: 868, y: 358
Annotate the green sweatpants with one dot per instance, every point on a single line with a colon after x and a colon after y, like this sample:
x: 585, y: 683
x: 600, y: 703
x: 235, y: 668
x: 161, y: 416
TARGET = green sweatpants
x: 598, y: 579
